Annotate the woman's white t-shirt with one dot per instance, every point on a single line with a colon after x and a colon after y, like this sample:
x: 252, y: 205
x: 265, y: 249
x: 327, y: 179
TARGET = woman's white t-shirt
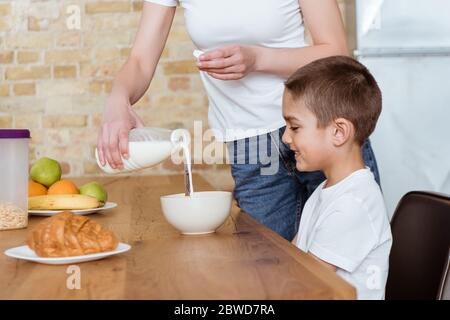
x: 252, y: 105
x: 347, y: 226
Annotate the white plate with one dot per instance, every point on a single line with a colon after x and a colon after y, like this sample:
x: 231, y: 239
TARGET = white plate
x: 48, y: 213
x: 25, y: 253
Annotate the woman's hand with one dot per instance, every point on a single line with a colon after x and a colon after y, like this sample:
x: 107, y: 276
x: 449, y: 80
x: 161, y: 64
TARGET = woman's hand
x: 118, y: 119
x: 132, y: 82
x: 230, y: 62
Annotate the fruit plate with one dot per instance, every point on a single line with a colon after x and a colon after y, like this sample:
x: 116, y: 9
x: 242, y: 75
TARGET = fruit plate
x: 25, y: 253
x: 49, y: 213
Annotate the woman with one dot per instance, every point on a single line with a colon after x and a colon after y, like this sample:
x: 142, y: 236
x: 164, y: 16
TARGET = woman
x: 251, y: 47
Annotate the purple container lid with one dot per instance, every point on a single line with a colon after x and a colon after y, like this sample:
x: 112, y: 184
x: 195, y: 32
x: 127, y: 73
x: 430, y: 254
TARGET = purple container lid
x: 14, y: 134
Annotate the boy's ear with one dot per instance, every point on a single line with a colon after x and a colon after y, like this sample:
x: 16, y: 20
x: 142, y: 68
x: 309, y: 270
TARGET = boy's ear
x: 342, y: 131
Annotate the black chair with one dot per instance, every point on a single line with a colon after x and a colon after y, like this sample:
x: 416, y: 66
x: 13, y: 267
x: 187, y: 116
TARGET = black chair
x: 421, y: 241
x: 444, y: 290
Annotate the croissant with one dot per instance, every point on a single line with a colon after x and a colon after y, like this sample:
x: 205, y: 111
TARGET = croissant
x: 66, y: 234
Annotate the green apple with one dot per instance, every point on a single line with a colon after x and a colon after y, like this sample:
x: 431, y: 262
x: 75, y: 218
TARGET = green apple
x: 94, y: 189
x: 46, y: 171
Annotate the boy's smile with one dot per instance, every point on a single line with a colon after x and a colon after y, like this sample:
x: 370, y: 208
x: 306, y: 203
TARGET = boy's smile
x: 302, y: 134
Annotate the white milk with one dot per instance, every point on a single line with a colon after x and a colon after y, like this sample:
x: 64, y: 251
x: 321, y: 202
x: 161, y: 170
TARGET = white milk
x: 142, y: 154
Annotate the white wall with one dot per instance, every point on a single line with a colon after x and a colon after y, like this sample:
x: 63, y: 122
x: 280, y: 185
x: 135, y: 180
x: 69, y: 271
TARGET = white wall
x: 412, y: 138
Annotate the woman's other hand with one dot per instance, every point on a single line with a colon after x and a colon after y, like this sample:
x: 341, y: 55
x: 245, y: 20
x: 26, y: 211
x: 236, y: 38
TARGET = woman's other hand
x: 230, y: 62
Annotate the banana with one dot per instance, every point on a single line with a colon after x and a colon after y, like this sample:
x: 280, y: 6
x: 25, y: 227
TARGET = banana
x: 63, y: 202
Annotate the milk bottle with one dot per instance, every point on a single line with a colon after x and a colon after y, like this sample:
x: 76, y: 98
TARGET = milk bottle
x: 149, y: 146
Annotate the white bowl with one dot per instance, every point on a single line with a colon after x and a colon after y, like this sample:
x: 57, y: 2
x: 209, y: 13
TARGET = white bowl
x: 201, y: 213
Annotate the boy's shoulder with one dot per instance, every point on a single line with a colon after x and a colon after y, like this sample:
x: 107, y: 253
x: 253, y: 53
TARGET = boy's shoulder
x: 371, y: 205
x: 359, y: 201
x: 359, y: 190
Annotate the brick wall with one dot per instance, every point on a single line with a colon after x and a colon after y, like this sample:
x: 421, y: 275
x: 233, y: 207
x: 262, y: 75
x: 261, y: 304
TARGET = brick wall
x: 54, y: 78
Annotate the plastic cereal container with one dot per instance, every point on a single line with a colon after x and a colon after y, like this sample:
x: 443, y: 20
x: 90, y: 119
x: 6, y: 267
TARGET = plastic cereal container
x: 14, y: 178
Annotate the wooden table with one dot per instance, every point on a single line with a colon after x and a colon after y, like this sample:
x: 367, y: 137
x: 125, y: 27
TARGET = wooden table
x: 242, y: 260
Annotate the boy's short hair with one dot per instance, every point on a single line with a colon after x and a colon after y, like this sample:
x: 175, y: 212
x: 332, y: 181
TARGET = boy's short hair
x: 338, y: 87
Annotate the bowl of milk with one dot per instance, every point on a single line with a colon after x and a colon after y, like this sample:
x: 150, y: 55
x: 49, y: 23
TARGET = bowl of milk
x: 200, y: 213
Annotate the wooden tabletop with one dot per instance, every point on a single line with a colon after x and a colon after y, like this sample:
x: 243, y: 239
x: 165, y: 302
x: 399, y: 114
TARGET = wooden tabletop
x: 242, y: 260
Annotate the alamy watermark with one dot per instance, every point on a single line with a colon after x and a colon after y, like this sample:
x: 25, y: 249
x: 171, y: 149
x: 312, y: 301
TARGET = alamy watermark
x: 73, y: 19
x: 252, y: 146
x: 73, y: 281
x: 373, y: 281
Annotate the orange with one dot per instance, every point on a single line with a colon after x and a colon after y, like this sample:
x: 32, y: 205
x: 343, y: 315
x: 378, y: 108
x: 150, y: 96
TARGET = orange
x: 63, y: 187
x: 36, y: 189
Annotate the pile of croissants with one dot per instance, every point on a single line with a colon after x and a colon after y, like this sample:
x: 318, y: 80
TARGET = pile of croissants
x: 66, y: 234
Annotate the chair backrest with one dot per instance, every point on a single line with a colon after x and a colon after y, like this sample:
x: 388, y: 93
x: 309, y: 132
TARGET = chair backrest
x: 421, y: 240
x: 444, y: 290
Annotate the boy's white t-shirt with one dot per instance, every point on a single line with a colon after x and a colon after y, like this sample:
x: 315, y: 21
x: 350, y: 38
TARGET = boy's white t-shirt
x: 347, y: 226
x: 252, y: 105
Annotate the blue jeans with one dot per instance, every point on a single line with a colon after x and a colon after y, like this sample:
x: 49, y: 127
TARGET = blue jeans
x: 269, y: 187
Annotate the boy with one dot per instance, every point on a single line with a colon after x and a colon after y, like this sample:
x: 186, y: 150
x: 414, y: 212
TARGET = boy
x: 330, y: 107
